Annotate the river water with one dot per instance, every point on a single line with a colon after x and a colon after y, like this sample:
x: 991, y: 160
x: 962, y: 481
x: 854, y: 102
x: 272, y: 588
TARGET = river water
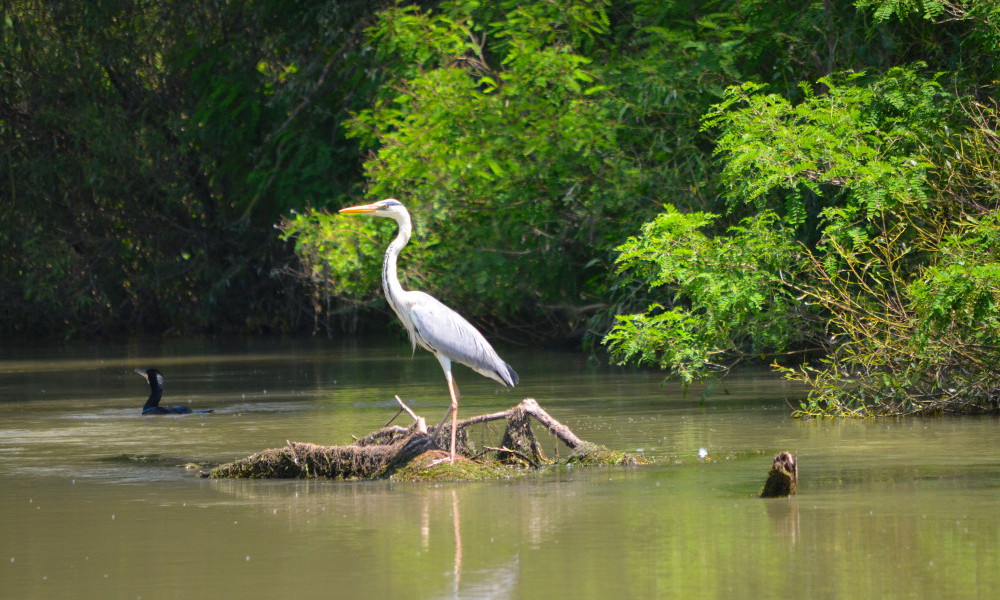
x: 95, y: 500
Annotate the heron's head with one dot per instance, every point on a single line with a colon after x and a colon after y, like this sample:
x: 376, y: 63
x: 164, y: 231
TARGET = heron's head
x: 390, y: 208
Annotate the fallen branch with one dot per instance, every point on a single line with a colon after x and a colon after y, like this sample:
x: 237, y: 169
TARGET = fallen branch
x: 556, y: 428
x: 385, y: 452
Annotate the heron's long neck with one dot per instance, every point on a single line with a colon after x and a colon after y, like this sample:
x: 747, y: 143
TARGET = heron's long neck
x: 390, y: 279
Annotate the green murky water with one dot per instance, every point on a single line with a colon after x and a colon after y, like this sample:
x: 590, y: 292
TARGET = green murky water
x: 94, y: 504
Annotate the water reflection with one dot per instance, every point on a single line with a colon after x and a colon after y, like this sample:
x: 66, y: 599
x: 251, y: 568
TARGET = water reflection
x: 457, y: 523
x: 784, y: 514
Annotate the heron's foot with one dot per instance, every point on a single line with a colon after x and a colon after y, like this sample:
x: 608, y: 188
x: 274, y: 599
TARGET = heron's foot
x: 450, y: 458
x: 442, y: 460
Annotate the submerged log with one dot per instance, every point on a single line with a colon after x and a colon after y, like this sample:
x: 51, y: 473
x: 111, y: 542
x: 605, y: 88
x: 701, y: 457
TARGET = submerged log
x: 783, y: 478
x: 418, y: 449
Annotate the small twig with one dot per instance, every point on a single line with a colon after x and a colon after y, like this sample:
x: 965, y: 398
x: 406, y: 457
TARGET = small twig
x: 520, y: 455
x: 421, y: 423
x: 291, y: 450
x: 398, y: 412
x: 403, y: 407
x: 380, y: 436
x: 484, y: 418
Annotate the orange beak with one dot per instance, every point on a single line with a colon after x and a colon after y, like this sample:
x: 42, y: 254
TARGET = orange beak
x: 359, y: 210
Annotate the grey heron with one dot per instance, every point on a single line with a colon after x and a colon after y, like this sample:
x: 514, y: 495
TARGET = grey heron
x: 432, y: 325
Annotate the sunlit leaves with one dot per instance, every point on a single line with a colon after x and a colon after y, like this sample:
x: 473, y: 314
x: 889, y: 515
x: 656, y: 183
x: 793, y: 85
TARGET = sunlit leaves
x: 854, y: 143
x: 903, y: 298
x: 731, y: 294
x: 496, y: 132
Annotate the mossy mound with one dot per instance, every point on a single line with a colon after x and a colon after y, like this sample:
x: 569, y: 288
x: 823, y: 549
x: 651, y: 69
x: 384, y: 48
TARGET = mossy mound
x: 595, y: 455
x: 434, y: 465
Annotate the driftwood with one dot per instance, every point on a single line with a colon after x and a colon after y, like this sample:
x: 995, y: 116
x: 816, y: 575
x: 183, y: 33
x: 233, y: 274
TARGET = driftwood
x: 392, y: 449
x: 783, y: 478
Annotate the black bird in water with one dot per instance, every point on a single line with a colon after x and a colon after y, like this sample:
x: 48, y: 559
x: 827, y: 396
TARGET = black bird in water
x: 152, y: 406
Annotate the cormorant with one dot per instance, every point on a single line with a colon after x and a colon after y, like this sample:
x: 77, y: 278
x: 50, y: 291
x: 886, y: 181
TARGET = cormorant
x: 152, y: 406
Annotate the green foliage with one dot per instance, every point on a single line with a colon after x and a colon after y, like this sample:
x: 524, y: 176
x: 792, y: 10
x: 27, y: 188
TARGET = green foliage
x: 154, y: 146
x: 542, y: 134
x: 855, y: 137
x: 732, y: 294
x: 974, y: 27
x: 335, y: 257
x: 961, y: 288
x: 911, y: 329
x: 833, y: 164
x: 147, y: 149
x: 890, y: 188
x: 908, y: 341
x: 496, y: 133
x: 332, y: 248
x: 884, y: 10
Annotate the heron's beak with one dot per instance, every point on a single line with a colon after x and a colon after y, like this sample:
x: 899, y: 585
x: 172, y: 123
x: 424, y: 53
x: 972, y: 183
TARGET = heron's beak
x: 364, y: 209
x: 143, y: 373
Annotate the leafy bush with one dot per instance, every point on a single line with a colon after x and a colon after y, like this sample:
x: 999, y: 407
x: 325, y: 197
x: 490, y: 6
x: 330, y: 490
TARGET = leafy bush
x: 732, y: 295
x: 495, y: 131
x: 897, y: 259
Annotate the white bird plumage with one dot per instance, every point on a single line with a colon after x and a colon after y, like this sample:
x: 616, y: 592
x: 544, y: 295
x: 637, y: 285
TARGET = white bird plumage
x: 432, y: 325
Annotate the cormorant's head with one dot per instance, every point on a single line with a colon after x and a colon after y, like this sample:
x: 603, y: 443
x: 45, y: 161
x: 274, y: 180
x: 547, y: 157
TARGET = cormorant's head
x: 390, y: 208
x: 154, y: 377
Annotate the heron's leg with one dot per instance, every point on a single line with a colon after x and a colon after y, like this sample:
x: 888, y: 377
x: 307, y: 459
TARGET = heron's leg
x: 453, y: 392
x: 453, y: 389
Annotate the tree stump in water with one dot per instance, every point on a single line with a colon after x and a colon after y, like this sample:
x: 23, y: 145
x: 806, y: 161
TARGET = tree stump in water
x: 519, y: 444
x: 418, y: 449
x: 783, y: 479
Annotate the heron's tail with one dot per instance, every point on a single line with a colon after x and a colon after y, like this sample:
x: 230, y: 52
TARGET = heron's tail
x: 509, y: 377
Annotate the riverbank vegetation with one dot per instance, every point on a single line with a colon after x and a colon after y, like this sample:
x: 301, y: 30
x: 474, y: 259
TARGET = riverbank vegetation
x: 691, y: 185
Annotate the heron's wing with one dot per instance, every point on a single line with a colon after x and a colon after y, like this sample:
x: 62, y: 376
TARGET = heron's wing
x: 440, y: 329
